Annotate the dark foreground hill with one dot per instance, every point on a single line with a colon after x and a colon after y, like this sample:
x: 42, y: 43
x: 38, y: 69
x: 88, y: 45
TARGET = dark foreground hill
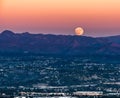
x: 58, y: 44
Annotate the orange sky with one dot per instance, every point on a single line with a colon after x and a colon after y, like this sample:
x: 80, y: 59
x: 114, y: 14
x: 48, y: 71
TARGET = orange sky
x: 97, y: 17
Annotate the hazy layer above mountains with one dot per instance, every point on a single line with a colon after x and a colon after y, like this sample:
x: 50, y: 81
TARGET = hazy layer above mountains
x: 58, y: 44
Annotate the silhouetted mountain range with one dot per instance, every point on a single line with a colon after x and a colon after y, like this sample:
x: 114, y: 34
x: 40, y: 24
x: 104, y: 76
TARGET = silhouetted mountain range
x: 58, y: 44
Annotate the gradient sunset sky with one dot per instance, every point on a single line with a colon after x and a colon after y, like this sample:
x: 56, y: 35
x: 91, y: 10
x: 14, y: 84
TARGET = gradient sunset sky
x: 97, y: 17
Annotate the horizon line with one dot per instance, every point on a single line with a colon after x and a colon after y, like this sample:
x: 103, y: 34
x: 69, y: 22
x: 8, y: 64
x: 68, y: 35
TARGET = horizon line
x: 60, y: 34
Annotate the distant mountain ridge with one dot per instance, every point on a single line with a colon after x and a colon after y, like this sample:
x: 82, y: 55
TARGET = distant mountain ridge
x: 58, y: 44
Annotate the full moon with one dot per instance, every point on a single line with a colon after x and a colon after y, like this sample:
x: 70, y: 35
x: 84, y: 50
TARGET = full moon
x: 79, y: 31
